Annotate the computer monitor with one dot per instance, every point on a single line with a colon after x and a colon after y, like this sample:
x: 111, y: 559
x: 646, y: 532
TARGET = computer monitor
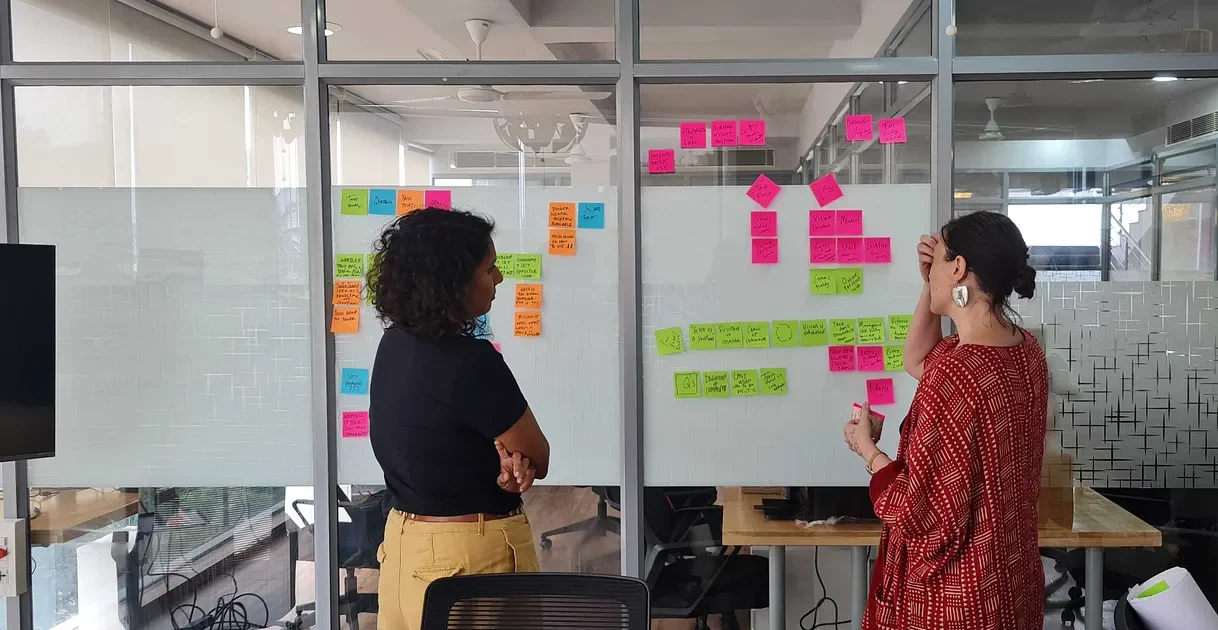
x: 27, y: 345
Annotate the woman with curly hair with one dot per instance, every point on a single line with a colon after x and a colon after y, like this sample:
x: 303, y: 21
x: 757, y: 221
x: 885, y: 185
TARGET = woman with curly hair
x: 448, y: 423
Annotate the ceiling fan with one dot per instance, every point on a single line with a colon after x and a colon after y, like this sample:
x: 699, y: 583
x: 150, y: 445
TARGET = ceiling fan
x: 992, y: 131
x: 483, y: 94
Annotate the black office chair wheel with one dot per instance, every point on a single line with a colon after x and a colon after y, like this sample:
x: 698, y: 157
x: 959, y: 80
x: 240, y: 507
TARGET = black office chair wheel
x: 1068, y: 618
x: 546, y: 544
x: 1075, y: 592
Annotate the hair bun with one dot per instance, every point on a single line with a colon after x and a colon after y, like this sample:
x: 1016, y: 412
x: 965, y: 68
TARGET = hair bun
x: 1025, y: 282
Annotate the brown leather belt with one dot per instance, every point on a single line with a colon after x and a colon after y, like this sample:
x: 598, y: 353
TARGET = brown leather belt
x: 464, y: 518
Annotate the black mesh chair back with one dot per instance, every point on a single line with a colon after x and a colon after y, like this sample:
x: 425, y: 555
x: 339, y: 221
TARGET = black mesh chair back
x: 536, y: 601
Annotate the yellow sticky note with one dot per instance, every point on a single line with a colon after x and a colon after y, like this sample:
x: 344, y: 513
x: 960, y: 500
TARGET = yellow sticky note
x: 562, y: 214
x: 894, y: 358
x: 347, y: 292
x: 729, y: 335
x: 528, y: 266
x: 744, y: 382
x: 344, y: 320
x: 685, y: 385
x: 528, y: 296
x: 562, y: 242
x: 669, y: 341
x: 409, y: 201
x: 528, y: 324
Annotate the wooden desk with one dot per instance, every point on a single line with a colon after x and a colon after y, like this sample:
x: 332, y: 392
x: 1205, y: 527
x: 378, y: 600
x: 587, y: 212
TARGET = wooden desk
x: 71, y: 514
x: 1096, y: 523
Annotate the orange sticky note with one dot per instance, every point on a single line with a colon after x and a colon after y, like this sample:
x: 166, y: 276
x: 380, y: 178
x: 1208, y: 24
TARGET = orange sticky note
x: 562, y: 242
x: 347, y: 292
x: 345, y: 320
x: 562, y: 214
x: 409, y: 201
x: 528, y: 296
x: 528, y: 324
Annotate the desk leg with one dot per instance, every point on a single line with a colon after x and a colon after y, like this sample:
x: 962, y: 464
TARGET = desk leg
x: 778, y: 587
x: 1094, y: 594
x: 858, y: 594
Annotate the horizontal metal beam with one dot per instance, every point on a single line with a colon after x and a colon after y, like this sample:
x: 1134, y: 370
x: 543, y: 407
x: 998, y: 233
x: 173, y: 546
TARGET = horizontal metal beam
x: 1072, y: 67
x: 153, y: 73
x: 787, y: 71
x: 470, y: 73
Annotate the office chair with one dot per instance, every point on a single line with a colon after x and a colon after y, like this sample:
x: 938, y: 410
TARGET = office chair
x: 536, y: 601
x: 691, y: 579
x: 606, y: 497
x: 358, y: 542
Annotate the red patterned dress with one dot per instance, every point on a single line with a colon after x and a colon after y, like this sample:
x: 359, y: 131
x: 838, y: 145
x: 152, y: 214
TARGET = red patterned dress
x: 959, y: 549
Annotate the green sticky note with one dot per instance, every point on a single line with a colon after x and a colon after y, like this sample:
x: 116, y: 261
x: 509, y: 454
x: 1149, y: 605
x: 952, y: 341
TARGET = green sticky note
x: 894, y: 358
x: 506, y: 264
x: 702, y: 336
x: 528, y: 266
x: 354, y: 201
x: 871, y: 330
x: 1155, y: 589
x: 812, y: 332
x: 823, y: 282
x: 685, y: 385
x: 349, y: 265
x: 716, y: 385
x: 744, y: 382
x: 730, y: 335
x: 773, y: 381
x: 786, y: 333
x: 849, y: 281
x: 898, y: 326
x: 841, y: 332
x: 668, y: 341
x: 757, y: 334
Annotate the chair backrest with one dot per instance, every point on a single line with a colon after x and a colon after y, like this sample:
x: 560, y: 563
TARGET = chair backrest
x: 359, y: 540
x: 536, y: 601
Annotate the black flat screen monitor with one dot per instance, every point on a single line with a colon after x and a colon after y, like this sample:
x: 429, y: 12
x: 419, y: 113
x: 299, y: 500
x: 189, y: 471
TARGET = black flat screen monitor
x: 27, y: 351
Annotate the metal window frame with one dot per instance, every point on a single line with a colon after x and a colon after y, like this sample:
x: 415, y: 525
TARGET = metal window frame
x: 315, y: 73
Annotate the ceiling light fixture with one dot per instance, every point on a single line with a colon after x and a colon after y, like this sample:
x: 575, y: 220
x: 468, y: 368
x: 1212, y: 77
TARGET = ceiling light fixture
x: 1165, y: 78
x: 331, y: 28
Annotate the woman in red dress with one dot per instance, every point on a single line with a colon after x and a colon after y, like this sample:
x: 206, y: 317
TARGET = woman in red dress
x: 959, y: 547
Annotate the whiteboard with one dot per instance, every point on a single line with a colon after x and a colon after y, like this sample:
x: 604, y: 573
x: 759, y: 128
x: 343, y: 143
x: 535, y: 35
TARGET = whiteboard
x: 697, y: 268
x: 570, y: 375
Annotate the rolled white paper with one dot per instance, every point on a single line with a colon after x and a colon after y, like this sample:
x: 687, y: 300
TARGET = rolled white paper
x: 1181, y: 606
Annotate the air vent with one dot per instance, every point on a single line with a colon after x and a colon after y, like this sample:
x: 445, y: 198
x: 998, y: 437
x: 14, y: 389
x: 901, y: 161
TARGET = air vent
x: 1195, y: 128
x: 504, y: 159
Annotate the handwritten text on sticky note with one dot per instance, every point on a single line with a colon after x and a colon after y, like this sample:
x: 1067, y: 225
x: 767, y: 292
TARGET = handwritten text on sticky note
x: 506, y: 264
x: 661, y: 161
x: 826, y: 190
x: 716, y: 385
x: 858, y: 128
x: 849, y: 222
x: 382, y: 201
x: 562, y: 214
x: 765, y: 251
x: 345, y: 320
x: 892, y: 131
x: 757, y: 334
x: 763, y: 191
x: 744, y: 382
x: 823, y: 282
x: 347, y: 292
x: 850, y: 250
x: 823, y: 250
x: 842, y: 332
x: 821, y: 222
x: 685, y: 385
x: 878, y: 250
x: 871, y: 358
x: 729, y: 335
x: 354, y: 381
x: 849, y: 281
x: 355, y: 424
x: 871, y: 330
x: 813, y: 332
x: 668, y: 341
x: 702, y: 336
x: 841, y: 358
x: 880, y: 391
x: 528, y: 295
x: 773, y: 381
x: 562, y: 242
x: 355, y: 201
x: 528, y: 266
x: 527, y: 324
x: 723, y: 133
x: 763, y: 223
x: 894, y: 358
x: 693, y: 135
x: 898, y: 326
x: 442, y: 199
x: 349, y: 266
x: 591, y: 215
x: 410, y: 200
x: 752, y: 133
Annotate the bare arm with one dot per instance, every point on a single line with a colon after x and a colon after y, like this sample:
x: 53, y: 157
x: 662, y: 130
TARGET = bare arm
x: 525, y: 438
x: 925, y: 330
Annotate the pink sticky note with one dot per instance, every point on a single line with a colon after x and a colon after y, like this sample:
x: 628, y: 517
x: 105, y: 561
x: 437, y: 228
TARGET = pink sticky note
x: 858, y: 128
x: 841, y: 358
x: 765, y: 251
x: 824, y: 250
x: 764, y: 223
x: 821, y: 222
x: 877, y: 250
x: 693, y: 135
x: 752, y: 133
x: 498, y: 348
x: 661, y: 161
x: 438, y: 199
x: 826, y: 190
x: 723, y: 133
x: 873, y: 412
x: 892, y: 131
x: 850, y: 222
x: 880, y: 392
x: 871, y: 358
x: 850, y: 250
x: 355, y: 424
x: 763, y: 191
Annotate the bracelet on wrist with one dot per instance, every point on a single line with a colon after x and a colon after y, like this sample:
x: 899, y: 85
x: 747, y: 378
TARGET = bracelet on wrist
x: 871, y: 461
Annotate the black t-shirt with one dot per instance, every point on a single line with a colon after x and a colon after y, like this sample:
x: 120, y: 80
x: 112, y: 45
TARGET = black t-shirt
x: 436, y: 407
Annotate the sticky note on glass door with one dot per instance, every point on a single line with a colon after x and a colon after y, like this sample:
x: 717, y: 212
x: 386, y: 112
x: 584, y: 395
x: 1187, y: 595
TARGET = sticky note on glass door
x: 826, y: 190
x: 355, y: 424
x: 871, y: 358
x: 528, y: 266
x: 354, y: 382
x: 877, y: 250
x: 347, y: 292
x: 685, y: 385
x: 382, y: 201
x: 668, y: 341
x: 841, y: 358
x: 661, y: 161
x: 849, y: 222
x: 763, y: 223
x: 880, y: 391
x: 773, y: 381
x: 729, y: 335
x: 894, y: 358
x: 871, y: 330
x: 751, y: 133
x: 702, y: 336
x: 528, y: 296
x: 344, y: 320
x: 823, y: 251
x: 843, y: 332
x: 858, y: 128
x: 506, y: 264
x: 765, y: 251
x: 562, y: 214
x: 786, y: 333
x: 410, y: 200
x: 850, y: 250
x: 898, y: 326
x: 591, y: 215
x: 822, y: 222
x: 562, y: 242
x: 354, y: 201
x: 892, y: 131
x: 744, y: 382
x: 527, y: 324
x: 823, y: 281
x: 849, y: 281
x: 716, y: 385
x: 693, y: 135
x: 757, y: 334
x: 763, y: 191
x: 723, y: 133
x: 442, y: 199
x: 813, y: 332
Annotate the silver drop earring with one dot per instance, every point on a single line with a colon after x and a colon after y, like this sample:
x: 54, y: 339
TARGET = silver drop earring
x: 960, y: 296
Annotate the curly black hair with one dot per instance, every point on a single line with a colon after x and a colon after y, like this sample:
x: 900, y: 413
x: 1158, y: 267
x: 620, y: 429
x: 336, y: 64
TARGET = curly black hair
x: 421, y: 266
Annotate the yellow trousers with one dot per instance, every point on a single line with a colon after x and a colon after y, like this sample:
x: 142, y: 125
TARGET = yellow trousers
x: 415, y: 554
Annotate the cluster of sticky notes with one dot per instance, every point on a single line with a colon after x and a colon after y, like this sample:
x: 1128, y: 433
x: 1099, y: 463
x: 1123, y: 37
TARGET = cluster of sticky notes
x: 519, y: 266
x: 565, y: 217
x: 859, y: 129
x: 353, y: 381
x: 780, y: 333
x: 725, y: 384
x: 723, y: 133
x: 355, y: 424
x: 840, y: 281
x: 391, y: 201
x: 871, y: 353
x: 528, y: 294
x: 349, y: 269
